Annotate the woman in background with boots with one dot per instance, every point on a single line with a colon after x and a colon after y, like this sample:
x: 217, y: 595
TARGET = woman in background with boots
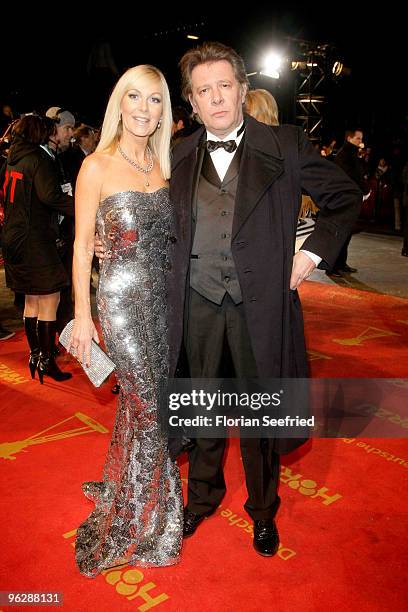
x: 32, y: 200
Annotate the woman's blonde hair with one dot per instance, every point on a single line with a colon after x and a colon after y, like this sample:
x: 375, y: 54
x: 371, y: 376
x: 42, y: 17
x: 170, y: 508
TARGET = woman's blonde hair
x: 261, y: 104
x: 159, y: 141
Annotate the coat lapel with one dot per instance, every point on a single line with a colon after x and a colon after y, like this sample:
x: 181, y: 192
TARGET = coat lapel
x: 186, y: 168
x: 233, y: 168
x: 208, y: 170
x: 261, y: 165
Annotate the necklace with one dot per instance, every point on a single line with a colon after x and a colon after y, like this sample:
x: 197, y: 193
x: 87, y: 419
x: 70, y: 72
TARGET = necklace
x: 146, y: 170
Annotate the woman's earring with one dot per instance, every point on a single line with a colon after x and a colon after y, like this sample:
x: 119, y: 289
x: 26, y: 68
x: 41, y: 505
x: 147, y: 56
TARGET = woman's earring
x: 159, y: 124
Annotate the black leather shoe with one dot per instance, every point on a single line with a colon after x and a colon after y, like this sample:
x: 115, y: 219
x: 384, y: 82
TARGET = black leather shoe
x: 266, y: 537
x: 348, y: 269
x: 335, y: 273
x: 191, y: 522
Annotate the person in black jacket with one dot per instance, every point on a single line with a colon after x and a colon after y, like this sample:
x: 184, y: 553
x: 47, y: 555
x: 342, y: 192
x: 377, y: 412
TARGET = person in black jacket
x: 32, y: 199
x: 72, y: 158
x: 58, y: 145
x: 348, y: 159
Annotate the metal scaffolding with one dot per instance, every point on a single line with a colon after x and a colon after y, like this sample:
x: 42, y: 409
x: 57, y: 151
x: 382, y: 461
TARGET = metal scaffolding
x: 313, y: 69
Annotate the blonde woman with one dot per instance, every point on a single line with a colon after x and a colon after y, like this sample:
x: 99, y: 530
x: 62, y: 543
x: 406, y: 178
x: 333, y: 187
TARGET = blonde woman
x: 122, y: 192
x: 261, y: 105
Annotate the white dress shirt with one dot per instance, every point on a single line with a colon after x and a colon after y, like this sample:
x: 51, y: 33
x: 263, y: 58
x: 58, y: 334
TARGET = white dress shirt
x: 220, y: 157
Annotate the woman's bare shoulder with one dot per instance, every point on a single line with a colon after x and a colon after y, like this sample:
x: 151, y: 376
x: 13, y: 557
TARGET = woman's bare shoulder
x: 97, y: 161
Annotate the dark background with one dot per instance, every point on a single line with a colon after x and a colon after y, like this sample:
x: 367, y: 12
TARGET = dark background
x: 48, y: 55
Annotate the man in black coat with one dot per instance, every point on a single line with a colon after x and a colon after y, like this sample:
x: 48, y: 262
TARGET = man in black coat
x: 236, y: 187
x: 347, y: 158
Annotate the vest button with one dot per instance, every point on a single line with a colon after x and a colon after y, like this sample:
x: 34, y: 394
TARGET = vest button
x: 223, y: 213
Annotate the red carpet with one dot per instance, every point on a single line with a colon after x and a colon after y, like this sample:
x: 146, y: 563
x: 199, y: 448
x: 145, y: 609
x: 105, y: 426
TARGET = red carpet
x: 342, y: 521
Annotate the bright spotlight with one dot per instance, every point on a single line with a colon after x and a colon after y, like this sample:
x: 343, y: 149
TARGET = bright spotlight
x: 340, y: 69
x: 272, y: 65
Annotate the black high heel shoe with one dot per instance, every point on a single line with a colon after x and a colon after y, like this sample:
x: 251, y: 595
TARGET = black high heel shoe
x: 30, y: 328
x: 46, y: 363
x: 33, y: 362
x: 47, y: 366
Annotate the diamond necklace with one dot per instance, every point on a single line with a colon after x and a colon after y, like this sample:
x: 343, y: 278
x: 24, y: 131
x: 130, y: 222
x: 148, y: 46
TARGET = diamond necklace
x: 146, y: 170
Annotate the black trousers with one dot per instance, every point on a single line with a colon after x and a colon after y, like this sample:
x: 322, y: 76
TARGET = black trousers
x: 341, y: 260
x: 209, y: 330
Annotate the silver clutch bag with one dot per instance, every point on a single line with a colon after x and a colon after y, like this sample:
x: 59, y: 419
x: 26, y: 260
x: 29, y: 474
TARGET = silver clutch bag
x: 100, y: 367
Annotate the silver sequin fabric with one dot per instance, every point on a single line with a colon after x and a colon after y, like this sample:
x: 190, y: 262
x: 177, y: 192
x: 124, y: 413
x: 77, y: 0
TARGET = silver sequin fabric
x: 138, y: 504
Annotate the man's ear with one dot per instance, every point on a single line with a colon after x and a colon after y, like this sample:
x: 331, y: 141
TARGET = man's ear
x: 244, y: 91
x: 193, y: 106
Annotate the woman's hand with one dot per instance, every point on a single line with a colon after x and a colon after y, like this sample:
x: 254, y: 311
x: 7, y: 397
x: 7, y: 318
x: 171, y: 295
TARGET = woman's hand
x: 80, y: 340
x: 100, y: 250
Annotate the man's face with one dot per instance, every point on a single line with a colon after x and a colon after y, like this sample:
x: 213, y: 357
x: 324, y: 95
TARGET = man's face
x: 217, y: 97
x: 357, y: 139
x: 64, y: 134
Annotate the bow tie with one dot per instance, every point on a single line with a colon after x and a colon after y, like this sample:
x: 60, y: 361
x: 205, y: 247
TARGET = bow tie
x: 229, y: 145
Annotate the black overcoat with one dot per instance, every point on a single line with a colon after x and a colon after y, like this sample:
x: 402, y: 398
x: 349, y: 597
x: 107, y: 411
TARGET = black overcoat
x: 32, y: 200
x: 277, y: 164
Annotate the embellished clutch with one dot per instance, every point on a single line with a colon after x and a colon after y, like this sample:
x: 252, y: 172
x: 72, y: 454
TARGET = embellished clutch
x: 100, y: 367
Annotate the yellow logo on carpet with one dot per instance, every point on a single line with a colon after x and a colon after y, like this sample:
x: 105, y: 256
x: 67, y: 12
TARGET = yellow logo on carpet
x: 10, y: 376
x: 376, y: 451
x: 382, y: 413
x: 8, y: 449
x: 314, y: 355
x: 307, y: 487
x: 127, y: 582
x: 238, y: 521
x: 368, y: 334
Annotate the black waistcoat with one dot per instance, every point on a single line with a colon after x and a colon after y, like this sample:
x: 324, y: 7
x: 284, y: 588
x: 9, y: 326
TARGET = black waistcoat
x: 212, y: 269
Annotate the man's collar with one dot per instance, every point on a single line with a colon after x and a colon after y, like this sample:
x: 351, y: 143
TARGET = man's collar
x: 231, y: 136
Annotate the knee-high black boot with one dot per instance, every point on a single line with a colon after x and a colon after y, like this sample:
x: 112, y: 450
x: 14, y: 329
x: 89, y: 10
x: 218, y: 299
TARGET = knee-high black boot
x: 30, y: 327
x: 46, y: 364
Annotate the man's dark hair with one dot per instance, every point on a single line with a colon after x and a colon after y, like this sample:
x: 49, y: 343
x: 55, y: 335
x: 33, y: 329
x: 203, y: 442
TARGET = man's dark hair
x: 83, y: 130
x: 352, y: 133
x: 180, y: 113
x: 205, y: 53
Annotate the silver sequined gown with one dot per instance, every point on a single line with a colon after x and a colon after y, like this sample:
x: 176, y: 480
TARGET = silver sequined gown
x: 138, y: 505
